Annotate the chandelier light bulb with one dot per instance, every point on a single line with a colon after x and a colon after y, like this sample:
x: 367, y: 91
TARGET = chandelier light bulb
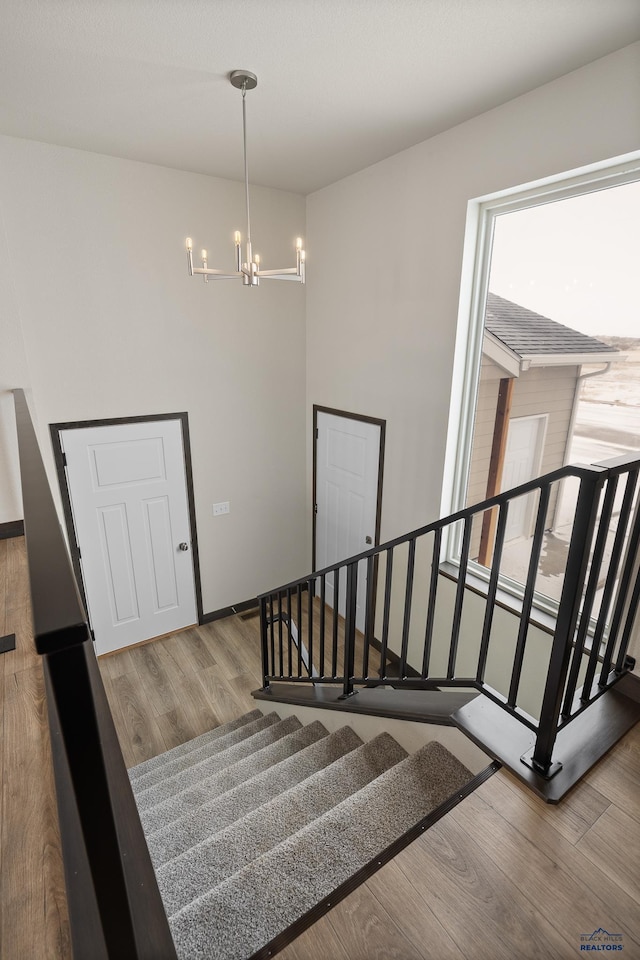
x: 189, y: 243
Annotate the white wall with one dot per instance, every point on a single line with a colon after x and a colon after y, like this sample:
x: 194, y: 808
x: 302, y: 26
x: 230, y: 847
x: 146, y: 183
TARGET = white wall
x: 96, y: 282
x: 385, y: 253
x: 13, y: 373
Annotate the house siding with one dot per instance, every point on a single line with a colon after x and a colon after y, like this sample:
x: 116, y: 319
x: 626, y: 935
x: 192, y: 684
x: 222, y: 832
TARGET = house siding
x: 540, y: 390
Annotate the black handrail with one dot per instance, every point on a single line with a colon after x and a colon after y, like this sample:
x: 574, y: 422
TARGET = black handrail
x: 559, y: 702
x: 115, y: 909
x: 532, y: 486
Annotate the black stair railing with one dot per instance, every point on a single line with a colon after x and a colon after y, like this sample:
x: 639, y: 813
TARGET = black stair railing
x: 115, y: 909
x: 404, y: 628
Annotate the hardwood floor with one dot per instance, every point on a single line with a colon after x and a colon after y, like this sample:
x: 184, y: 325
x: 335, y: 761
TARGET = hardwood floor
x: 502, y: 876
x: 33, y: 912
x: 173, y: 689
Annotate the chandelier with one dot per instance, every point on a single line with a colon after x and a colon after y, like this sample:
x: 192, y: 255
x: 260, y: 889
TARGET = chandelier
x: 248, y: 269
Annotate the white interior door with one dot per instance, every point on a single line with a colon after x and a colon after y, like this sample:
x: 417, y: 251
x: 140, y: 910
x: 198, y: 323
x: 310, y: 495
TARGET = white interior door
x: 347, y: 463
x: 522, y: 460
x: 128, y: 491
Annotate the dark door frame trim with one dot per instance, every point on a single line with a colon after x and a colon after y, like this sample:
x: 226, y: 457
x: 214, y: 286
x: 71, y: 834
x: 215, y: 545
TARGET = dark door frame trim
x: 348, y: 416
x: 56, y: 429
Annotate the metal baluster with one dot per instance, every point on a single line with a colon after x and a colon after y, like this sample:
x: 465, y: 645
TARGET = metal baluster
x: 350, y: 630
x: 623, y: 589
x: 272, y: 637
x: 493, y: 588
x: 406, y: 620
x: 280, y: 649
x: 626, y: 635
x: 610, y: 583
x: 299, y: 626
x: 336, y: 617
x: 431, y: 602
x: 264, y: 642
x: 457, y: 610
x: 310, y: 624
x: 322, y: 622
x: 527, y: 600
x: 368, y: 628
x: 386, y: 611
x: 289, y: 641
x: 592, y: 586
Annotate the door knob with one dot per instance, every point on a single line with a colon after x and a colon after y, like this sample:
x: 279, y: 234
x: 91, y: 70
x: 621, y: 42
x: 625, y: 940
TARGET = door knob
x: 183, y: 546
x: 368, y: 540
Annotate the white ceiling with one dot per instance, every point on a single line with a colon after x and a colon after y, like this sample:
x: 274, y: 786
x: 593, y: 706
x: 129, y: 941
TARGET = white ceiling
x: 341, y: 83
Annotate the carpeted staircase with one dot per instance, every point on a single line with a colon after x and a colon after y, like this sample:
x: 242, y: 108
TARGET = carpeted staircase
x: 255, y: 822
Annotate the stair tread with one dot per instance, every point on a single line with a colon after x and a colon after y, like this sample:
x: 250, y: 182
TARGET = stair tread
x: 228, y: 851
x: 195, y: 826
x: 245, y: 767
x: 248, y: 909
x: 266, y: 731
x: 182, y: 748
x: 176, y: 765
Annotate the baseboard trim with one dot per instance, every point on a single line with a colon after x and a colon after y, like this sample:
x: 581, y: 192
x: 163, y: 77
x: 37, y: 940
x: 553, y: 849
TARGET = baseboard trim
x: 11, y: 529
x: 228, y: 611
x: 232, y: 610
x: 312, y: 916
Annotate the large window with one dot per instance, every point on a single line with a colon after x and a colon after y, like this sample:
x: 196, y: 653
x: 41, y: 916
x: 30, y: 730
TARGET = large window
x: 548, y: 359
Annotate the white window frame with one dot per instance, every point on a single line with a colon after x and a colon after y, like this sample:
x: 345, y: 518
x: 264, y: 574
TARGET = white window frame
x: 476, y: 264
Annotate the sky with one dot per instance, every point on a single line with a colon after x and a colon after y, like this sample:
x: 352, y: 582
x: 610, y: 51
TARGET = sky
x: 576, y: 261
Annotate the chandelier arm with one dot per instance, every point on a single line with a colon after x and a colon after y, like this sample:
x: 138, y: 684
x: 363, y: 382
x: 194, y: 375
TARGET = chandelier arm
x: 210, y: 272
x: 293, y: 278
x: 276, y: 273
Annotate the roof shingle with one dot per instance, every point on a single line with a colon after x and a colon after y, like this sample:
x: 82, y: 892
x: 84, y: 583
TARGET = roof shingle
x: 530, y: 334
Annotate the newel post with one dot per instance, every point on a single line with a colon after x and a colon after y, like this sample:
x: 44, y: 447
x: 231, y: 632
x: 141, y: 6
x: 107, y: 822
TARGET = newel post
x: 591, y: 482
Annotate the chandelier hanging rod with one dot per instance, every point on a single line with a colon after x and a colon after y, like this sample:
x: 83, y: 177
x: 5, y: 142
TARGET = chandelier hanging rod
x: 248, y: 269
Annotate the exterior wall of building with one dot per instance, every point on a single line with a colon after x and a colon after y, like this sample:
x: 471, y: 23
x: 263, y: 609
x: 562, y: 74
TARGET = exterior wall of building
x: 540, y: 390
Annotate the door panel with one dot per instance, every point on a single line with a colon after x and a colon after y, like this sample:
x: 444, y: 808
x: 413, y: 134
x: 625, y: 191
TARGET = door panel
x: 135, y: 461
x: 116, y: 551
x: 127, y: 486
x: 160, y: 543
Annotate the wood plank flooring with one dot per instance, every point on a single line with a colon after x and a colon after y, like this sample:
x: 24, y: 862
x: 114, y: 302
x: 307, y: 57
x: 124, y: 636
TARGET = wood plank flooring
x: 33, y: 913
x: 502, y: 876
x: 327, y: 657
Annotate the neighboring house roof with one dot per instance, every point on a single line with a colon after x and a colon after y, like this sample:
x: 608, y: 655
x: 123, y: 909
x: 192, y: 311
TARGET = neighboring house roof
x: 517, y: 338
